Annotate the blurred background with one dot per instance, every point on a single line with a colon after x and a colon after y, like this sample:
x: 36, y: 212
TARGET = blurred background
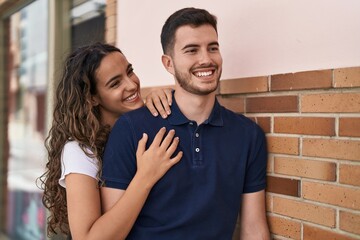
x: 26, y: 32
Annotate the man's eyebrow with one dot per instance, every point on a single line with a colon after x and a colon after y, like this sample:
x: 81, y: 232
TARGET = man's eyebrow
x: 197, y: 45
x: 214, y: 43
x: 190, y: 46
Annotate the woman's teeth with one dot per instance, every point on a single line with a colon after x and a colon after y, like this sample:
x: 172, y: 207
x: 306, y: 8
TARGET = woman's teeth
x: 132, y: 97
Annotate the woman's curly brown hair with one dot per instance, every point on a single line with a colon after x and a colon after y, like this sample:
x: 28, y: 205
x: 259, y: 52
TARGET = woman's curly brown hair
x: 74, y: 118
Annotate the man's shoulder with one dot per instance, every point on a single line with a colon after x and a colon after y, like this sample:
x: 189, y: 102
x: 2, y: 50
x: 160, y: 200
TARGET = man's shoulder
x: 237, y: 117
x: 138, y: 119
x: 135, y: 115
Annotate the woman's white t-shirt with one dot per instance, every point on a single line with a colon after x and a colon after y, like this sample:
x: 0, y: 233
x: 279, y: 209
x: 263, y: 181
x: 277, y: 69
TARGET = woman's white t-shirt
x: 74, y: 160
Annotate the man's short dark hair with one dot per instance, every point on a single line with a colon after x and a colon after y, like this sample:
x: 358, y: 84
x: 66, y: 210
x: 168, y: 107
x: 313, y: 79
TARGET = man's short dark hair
x: 194, y: 17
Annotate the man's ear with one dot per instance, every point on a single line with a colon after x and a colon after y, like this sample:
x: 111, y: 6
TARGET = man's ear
x: 168, y: 63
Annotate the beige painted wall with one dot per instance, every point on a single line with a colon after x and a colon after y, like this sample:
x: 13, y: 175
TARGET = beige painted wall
x: 257, y: 37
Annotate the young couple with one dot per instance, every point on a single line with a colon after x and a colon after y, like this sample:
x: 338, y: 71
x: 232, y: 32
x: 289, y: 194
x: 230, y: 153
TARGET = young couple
x: 187, y: 176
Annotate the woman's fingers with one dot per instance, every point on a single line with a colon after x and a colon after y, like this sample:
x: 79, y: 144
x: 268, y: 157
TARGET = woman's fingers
x: 159, y: 102
x: 176, y: 159
x: 168, y: 92
x: 158, y: 137
x: 142, y: 145
x: 172, y: 148
x: 167, y: 140
x: 165, y: 145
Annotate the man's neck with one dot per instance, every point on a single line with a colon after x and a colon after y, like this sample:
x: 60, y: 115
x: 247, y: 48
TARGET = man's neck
x: 195, y: 107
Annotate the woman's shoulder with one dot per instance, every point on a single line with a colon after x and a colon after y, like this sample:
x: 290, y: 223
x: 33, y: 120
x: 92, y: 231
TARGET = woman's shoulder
x: 74, y: 160
x: 73, y: 147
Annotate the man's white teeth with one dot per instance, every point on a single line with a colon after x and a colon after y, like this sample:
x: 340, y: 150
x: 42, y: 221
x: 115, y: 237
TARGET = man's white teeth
x: 203, y: 74
x: 132, y: 97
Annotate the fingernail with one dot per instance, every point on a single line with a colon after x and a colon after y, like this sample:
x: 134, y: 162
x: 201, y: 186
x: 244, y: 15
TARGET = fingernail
x: 168, y: 112
x: 164, y: 116
x: 155, y: 114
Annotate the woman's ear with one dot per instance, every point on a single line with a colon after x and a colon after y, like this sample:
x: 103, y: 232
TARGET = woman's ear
x: 94, y: 100
x: 168, y: 64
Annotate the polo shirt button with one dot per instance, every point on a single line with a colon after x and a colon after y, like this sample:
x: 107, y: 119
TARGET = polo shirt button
x: 191, y: 123
x: 197, y: 149
x: 196, y: 134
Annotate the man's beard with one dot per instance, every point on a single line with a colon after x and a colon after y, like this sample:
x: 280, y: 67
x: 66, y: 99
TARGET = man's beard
x: 184, y: 80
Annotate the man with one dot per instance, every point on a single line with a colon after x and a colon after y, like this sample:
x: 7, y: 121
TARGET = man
x: 223, y: 168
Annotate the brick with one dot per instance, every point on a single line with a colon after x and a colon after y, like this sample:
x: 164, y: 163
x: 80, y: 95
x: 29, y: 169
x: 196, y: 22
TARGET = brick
x: 349, y: 127
x: 302, y: 80
x: 331, y: 148
x: 111, y: 21
x: 350, y: 222
x: 244, y: 85
x: 270, y: 163
x: 284, y: 227
x: 321, y: 170
x: 349, y: 174
x: 332, y: 194
x: 110, y: 35
x: 272, y: 104
x: 236, y: 104
x: 111, y: 9
x: 263, y: 122
x: 347, y: 77
x: 285, y: 145
x: 108, y: 2
x: 331, y: 103
x: 305, y: 211
x: 268, y: 202
x: 285, y: 186
x: 315, y: 233
x: 305, y: 125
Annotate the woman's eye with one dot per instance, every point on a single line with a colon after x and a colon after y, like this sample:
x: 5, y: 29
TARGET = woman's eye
x: 131, y: 71
x: 114, y: 84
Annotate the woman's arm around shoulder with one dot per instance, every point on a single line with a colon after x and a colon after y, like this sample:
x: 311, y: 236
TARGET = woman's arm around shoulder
x: 120, y: 207
x: 159, y: 102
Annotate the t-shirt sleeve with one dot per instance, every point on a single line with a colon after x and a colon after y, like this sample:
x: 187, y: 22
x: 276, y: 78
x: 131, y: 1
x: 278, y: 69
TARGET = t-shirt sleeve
x: 255, y: 179
x: 119, y: 160
x: 74, y: 160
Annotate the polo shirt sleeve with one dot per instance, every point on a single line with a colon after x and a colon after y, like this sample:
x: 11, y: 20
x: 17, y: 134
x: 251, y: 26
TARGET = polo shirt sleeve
x: 255, y: 179
x: 119, y: 160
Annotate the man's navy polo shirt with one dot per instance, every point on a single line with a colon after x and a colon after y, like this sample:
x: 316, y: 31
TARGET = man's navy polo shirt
x: 199, y: 197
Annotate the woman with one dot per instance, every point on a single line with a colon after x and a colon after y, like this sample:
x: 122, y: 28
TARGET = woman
x: 97, y: 86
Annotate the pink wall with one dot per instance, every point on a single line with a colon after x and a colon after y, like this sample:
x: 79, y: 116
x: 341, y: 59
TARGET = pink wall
x: 256, y: 37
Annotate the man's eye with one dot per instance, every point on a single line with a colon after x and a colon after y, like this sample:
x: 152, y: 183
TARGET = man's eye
x: 193, y: 50
x: 214, y: 49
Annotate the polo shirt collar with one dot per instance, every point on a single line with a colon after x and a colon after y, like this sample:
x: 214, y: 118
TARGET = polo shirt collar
x: 178, y: 118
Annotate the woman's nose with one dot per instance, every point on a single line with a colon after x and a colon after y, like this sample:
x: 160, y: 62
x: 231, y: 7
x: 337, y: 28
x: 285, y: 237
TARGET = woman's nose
x: 130, y: 84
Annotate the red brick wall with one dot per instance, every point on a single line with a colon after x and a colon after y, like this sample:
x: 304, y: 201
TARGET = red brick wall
x: 111, y: 16
x: 312, y: 123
